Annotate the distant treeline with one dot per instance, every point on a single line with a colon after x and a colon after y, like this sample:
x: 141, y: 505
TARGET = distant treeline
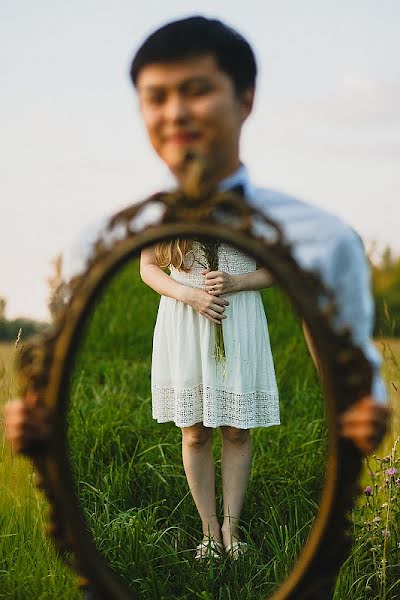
x: 386, y: 289
x: 9, y: 329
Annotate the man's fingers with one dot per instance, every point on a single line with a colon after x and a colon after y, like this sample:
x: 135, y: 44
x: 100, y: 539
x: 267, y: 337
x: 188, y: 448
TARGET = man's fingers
x: 31, y: 398
x: 25, y: 422
x: 367, y: 445
x: 361, y: 436
x: 26, y: 425
x: 365, y: 423
x: 375, y: 416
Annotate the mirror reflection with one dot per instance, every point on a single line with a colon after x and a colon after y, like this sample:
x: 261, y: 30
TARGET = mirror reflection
x: 210, y: 387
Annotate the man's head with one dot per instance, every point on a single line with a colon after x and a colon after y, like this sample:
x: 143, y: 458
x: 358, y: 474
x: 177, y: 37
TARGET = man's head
x: 198, y: 36
x: 195, y: 79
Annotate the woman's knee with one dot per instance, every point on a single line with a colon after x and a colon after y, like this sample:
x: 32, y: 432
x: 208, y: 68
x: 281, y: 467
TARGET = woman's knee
x: 196, y: 436
x: 236, y: 436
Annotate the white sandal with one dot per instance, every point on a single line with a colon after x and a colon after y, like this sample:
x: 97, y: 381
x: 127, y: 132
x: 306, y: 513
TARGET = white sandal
x: 236, y: 549
x: 209, y: 548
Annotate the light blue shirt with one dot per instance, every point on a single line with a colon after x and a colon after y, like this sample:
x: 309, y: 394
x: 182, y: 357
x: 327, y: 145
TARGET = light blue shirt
x: 321, y: 243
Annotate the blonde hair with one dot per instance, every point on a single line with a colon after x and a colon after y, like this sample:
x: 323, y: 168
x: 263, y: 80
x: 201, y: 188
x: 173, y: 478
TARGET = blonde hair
x: 172, y: 253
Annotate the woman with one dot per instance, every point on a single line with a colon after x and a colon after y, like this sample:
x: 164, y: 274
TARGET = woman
x: 201, y: 380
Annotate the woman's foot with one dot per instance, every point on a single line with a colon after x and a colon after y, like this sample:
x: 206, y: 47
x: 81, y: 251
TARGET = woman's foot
x: 232, y: 544
x: 209, y: 548
x: 229, y: 532
x: 236, y: 549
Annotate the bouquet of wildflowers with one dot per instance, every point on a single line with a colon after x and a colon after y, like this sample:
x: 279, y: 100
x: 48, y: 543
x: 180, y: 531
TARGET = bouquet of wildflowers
x: 210, y: 248
x: 197, y: 183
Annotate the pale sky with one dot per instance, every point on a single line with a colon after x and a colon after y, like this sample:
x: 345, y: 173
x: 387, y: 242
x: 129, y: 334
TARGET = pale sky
x: 326, y: 126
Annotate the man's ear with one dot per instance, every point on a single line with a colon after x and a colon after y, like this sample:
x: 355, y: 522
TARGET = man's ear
x: 247, y: 101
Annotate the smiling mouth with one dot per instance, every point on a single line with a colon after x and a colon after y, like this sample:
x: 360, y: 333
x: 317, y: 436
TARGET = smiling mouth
x: 182, y: 138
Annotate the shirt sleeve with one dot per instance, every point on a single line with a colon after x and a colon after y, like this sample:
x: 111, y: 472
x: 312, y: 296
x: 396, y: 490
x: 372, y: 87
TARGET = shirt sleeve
x: 75, y: 256
x: 351, y: 282
x: 323, y: 244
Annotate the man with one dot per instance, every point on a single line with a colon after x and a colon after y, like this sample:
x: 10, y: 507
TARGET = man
x: 195, y: 79
x: 196, y: 82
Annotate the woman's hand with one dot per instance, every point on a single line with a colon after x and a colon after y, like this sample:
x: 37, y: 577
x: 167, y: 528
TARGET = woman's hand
x: 211, y: 307
x: 219, y: 282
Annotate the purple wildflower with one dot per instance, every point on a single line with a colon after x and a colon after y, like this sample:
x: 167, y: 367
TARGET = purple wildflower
x: 368, y: 490
x: 391, y: 472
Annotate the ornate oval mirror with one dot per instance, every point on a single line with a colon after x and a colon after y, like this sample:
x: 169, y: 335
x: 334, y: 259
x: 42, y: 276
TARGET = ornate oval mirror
x: 127, y: 468
x: 122, y: 512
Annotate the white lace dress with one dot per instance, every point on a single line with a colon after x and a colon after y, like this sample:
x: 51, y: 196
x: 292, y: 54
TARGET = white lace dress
x: 188, y: 385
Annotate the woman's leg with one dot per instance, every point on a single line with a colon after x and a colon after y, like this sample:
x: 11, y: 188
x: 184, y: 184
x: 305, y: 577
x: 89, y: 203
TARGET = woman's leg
x: 236, y: 465
x: 198, y: 462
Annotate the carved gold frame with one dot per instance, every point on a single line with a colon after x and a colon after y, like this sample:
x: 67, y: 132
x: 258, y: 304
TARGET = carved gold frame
x: 45, y: 366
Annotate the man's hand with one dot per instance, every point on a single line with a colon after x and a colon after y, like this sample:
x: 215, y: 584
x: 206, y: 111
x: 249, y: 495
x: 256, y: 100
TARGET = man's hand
x: 27, y: 423
x: 365, y: 423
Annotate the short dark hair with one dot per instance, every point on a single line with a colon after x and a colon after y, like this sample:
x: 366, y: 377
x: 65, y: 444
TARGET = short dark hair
x: 198, y: 36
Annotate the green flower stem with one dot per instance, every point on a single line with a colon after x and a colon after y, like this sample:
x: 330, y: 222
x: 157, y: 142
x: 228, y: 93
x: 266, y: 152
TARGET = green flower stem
x: 219, y: 349
x: 210, y: 248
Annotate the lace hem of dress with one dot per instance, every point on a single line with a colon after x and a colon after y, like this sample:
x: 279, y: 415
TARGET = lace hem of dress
x: 213, y: 407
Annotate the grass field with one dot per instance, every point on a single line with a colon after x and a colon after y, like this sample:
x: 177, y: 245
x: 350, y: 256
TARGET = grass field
x: 131, y: 483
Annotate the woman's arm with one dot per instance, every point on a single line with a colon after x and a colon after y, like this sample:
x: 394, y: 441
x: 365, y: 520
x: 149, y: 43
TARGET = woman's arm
x: 210, y: 307
x: 219, y: 282
x: 156, y: 278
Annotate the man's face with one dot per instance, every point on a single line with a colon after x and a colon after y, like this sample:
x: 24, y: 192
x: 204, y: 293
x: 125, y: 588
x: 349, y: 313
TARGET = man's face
x: 193, y: 105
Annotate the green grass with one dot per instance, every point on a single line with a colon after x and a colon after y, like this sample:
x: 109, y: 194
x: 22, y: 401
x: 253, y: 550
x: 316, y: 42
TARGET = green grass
x: 130, y: 479
x: 373, y: 568
x: 29, y: 567
x: 129, y: 472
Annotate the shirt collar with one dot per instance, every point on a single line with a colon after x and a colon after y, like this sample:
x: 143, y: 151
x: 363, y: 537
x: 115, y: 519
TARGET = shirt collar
x: 239, y: 177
